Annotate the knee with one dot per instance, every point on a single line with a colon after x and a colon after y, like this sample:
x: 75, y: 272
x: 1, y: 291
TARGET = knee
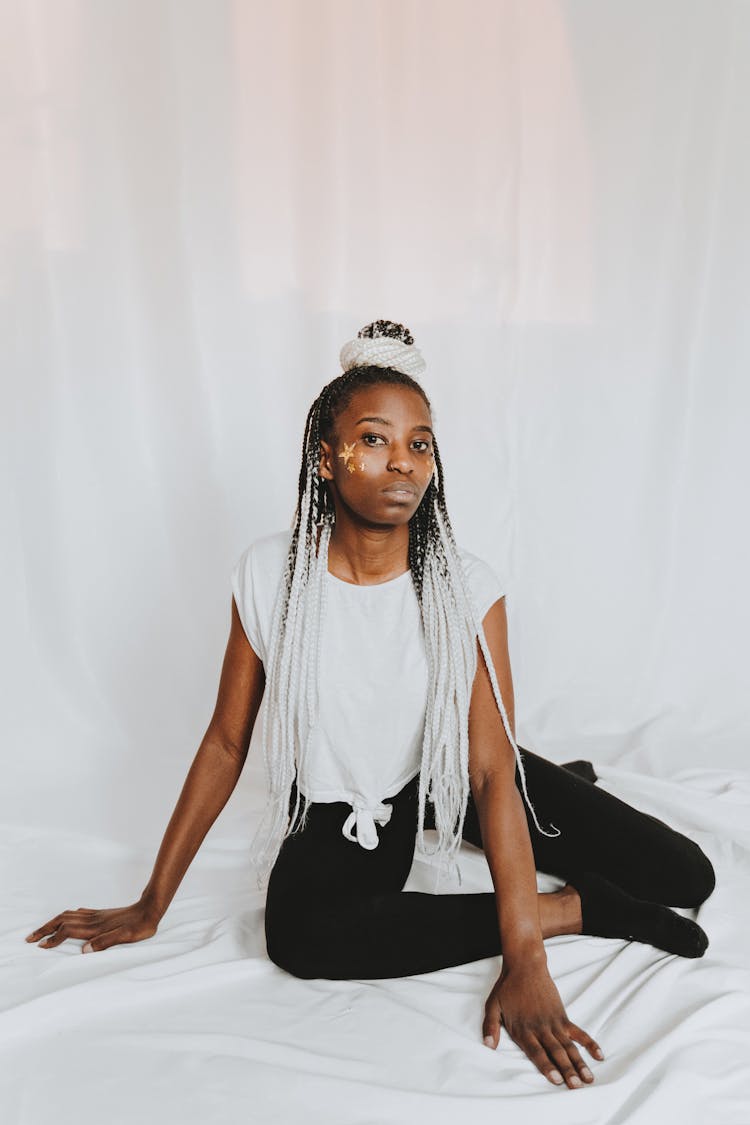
x: 287, y: 950
x: 291, y: 944
x: 292, y: 961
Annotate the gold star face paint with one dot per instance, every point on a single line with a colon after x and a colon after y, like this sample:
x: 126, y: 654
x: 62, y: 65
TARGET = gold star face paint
x: 347, y: 456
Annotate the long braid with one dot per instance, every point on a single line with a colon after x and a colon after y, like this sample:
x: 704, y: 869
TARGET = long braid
x: 450, y: 642
x: 451, y: 630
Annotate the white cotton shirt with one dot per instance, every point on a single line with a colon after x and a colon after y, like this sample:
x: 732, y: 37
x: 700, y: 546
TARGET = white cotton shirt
x: 367, y: 742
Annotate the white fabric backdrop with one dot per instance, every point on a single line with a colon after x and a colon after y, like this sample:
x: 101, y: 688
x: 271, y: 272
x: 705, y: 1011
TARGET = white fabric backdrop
x: 202, y: 201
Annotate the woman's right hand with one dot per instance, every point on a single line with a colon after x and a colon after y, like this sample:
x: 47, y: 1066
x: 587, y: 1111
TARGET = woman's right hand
x: 98, y: 928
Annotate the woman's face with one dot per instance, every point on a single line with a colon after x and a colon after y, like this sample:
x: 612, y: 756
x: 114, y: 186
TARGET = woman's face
x: 381, y: 461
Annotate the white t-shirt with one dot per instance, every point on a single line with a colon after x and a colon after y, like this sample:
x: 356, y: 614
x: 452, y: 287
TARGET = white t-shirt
x: 367, y: 743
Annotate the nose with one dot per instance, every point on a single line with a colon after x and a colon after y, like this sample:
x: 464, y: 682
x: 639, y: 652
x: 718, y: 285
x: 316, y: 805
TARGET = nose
x: 401, y: 461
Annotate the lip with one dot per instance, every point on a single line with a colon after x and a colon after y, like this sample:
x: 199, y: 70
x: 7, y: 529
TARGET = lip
x: 402, y: 490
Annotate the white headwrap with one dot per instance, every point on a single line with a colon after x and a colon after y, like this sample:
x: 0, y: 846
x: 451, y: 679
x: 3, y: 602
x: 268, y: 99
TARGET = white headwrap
x: 383, y: 351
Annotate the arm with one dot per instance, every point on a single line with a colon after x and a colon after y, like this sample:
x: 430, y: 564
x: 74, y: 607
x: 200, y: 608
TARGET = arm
x: 502, y: 820
x: 524, y: 997
x: 215, y: 770
x: 210, y: 782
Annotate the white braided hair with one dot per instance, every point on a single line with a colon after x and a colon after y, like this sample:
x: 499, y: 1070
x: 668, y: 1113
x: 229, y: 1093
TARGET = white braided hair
x: 383, y: 352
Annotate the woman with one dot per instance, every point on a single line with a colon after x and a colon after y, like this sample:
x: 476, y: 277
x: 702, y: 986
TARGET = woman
x: 378, y: 648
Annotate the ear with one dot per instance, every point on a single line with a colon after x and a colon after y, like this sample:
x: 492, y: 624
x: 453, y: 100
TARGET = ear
x: 326, y: 460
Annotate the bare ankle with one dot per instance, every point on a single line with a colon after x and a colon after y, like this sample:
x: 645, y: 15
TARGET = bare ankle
x: 572, y: 905
x: 560, y: 912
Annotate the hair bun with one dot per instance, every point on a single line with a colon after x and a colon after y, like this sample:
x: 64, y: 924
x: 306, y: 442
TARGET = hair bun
x: 383, y: 343
x: 379, y: 328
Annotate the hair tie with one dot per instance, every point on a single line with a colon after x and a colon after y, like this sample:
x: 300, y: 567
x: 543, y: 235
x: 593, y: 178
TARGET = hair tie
x: 384, y: 344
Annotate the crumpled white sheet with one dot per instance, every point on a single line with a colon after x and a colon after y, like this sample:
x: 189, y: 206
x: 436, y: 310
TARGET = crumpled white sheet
x: 196, y: 1025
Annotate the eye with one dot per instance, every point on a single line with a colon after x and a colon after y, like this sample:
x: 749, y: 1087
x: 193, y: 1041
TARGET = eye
x: 425, y: 445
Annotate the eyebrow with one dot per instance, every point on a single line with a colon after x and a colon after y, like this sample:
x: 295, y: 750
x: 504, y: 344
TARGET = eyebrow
x: 385, y: 422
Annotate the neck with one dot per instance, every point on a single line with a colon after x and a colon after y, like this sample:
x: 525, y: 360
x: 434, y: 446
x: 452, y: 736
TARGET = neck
x: 367, y: 555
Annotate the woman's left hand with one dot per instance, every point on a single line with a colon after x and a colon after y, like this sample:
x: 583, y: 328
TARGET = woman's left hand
x: 526, y: 1000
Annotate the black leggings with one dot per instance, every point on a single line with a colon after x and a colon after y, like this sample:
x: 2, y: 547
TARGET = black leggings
x: 338, y: 911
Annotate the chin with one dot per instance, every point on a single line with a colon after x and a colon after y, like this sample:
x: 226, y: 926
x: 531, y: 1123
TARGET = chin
x: 394, y: 518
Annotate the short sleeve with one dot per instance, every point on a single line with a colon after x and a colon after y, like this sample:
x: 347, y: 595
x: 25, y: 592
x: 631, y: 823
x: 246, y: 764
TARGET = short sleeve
x: 484, y: 581
x: 256, y: 580
x: 244, y: 590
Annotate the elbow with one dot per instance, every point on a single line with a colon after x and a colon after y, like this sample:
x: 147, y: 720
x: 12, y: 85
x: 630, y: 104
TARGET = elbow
x: 488, y: 781
x: 228, y: 751
x: 496, y: 772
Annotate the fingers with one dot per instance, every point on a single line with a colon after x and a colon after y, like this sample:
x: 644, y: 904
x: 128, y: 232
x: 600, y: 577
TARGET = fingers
x: 96, y: 941
x: 569, y: 1064
x: 583, y: 1037
x: 99, y: 929
x: 556, y: 1056
x: 69, y: 929
x: 541, y: 1060
x: 71, y: 923
x: 491, y: 1024
x: 118, y: 936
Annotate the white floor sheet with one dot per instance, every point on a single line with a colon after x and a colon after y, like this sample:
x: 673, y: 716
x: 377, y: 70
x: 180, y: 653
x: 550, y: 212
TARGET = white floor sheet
x: 197, y: 1025
x: 202, y: 201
